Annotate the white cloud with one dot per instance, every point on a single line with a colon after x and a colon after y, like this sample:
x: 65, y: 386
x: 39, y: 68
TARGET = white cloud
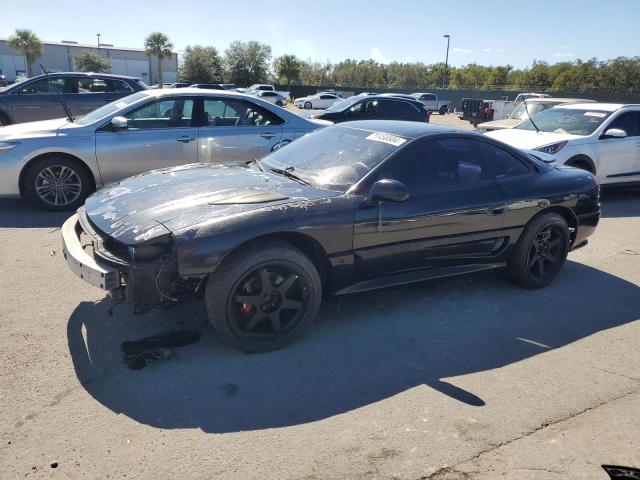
x: 487, y: 50
x: 563, y: 55
x: 501, y: 50
x: 562, y: 47
x: 461, y: 51
x: 407, y: 59
x: 378, y: 56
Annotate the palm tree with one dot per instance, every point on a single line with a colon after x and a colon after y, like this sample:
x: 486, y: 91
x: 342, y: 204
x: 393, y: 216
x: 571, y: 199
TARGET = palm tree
x: 157, y: 44
x: 29, y: 45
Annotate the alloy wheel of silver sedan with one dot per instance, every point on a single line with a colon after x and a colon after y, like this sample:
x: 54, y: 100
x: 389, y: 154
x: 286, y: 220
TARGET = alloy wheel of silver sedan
x: 58, y: 185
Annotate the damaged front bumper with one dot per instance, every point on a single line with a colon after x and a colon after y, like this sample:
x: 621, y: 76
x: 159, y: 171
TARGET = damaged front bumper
x: 84, y: 265
x: 143, y: 284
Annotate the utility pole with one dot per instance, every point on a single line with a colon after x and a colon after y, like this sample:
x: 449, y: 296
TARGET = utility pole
x: 446, y: 62
x: 98, y: 35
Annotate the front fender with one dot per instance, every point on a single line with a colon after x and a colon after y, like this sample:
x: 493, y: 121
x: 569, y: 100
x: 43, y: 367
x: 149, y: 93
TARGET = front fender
x: 327, y: 221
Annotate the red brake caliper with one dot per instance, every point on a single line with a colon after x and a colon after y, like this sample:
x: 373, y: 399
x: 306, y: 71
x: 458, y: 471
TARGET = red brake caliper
x: 246, y: 308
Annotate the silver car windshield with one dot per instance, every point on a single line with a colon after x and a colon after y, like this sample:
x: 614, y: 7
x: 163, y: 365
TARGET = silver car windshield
x: 567, y: 120
x: 334, y: 157
x: 520, y: 113
x: 110, y: 108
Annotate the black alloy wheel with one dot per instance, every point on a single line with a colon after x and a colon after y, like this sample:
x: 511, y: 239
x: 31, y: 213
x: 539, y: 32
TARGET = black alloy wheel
x: 545, y: 252
x: 540, y: 252
x: 263, y: 298
x: 268, y: 302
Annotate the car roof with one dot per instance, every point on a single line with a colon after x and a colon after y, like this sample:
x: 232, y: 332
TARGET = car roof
x: 90, y: 74
x: 405, y: 129
x: 607, y: 107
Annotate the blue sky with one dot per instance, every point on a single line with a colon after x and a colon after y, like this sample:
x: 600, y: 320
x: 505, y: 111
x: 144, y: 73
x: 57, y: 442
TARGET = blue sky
x: 488, y: 32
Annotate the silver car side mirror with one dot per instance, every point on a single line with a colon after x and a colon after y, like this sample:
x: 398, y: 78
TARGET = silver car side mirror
x: 119, y: 123
x: 615, y: 133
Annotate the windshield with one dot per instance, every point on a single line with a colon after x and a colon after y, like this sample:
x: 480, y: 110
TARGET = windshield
x: 336, y: 157
x: 567, y: 120
x: 110, y: 108
x: 343, y: 104
x: 520, y: 113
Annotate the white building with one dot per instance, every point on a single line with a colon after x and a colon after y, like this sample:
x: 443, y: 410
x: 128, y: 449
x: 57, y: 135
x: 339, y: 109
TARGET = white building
x: 58, y: 57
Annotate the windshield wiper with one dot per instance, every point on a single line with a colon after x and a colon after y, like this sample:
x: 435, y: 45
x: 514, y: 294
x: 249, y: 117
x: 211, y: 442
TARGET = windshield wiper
x: 288, y: 172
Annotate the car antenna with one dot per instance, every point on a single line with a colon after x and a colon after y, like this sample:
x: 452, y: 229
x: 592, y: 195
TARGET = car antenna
x: 62, y: 102
x: 529, y: 115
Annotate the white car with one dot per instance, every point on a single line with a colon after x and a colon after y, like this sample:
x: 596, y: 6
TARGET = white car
x: 319, y: 100
x: 603, y: 138
x: 271, y: 97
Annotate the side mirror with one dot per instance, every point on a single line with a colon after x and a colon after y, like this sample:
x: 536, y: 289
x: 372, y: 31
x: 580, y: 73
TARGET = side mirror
x: 119, y: 123
x: 387, y: 190
x: 614, y: 133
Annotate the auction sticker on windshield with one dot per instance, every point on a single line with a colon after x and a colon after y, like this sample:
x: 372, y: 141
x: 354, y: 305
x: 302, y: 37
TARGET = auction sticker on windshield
x: 387, y: 138
x: 595, y: 114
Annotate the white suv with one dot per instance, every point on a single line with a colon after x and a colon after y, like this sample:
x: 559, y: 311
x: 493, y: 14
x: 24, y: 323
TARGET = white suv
x: 603, y: 138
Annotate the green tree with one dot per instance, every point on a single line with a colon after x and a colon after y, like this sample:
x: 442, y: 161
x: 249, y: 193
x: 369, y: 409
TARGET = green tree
x: 287, y: 68
x: 28, y: 45
x: 201, y: 65
x: 91, y: 62
x: 157, y: 45
x: 247, y: 62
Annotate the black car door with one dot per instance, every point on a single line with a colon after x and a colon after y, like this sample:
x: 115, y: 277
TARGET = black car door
x: 453, y: 215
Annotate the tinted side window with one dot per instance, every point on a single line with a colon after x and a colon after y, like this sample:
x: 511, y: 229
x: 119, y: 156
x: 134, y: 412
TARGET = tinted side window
x: 235, y: 113
x: 166, y: 113
x: 43, y: 86
x: 628, y: 122
x: 399, y: 109
x: 428, y: 97
x: 451, y: 163
x: 104, y: 85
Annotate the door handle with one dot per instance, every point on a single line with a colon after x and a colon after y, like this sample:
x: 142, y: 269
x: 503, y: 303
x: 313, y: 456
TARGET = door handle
x: 496, y: 209
x: 267, y: 135
x: 185, y: 139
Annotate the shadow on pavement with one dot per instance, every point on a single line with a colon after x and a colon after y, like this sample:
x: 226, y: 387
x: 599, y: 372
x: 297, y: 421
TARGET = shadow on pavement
x: 17, y: 213
x: 620, y: 202
x: 365, y: 348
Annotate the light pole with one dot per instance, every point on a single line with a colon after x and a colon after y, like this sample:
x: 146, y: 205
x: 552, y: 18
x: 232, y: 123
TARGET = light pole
x: 446, y: 62
x: 98, y: 35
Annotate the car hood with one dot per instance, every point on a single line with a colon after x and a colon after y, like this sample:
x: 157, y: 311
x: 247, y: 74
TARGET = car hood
x: 143, y: 207
x: 529, y: 139
x: 499, y: 124
x: 32, y: 129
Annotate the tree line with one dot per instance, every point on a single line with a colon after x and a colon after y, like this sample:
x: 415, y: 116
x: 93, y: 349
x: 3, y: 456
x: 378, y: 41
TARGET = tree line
x: 244, y: 63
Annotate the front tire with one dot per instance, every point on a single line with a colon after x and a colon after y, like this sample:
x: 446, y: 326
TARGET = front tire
x: 279, y: 103
x: 540, y: 252
x: 263, y: 296
x: 58, y: 183
x: 308, y: 106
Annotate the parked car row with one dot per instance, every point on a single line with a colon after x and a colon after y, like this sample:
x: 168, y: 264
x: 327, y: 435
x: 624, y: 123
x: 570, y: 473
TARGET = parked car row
x: 204, y: 201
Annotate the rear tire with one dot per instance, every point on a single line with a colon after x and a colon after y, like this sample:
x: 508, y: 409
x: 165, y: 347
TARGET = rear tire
x: 279, y: 103
x: 308, y: 106
x: 443, y: 110
x: 58, y: 183
x: 540, y: 252
x: 4, y: 120
x: 264, y: 296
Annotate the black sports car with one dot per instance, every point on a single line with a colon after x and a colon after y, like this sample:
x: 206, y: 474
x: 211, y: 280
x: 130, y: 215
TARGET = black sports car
x: 348, y: 208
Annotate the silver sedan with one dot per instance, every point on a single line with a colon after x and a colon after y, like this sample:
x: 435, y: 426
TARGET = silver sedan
x: 57, y: 163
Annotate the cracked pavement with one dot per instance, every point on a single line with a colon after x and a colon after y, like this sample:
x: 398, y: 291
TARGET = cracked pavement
x: 460, y: 378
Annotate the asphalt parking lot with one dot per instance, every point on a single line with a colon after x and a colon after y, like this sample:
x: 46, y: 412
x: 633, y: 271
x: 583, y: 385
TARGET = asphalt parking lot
x: 460, y: 378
